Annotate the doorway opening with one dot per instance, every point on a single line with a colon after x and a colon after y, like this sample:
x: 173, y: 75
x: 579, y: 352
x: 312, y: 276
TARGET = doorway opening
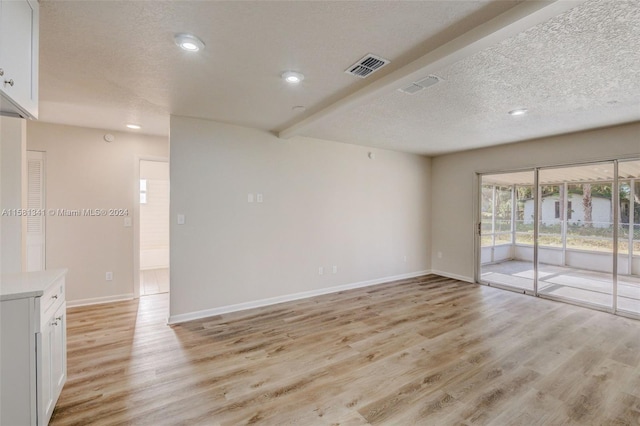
x: 154, y: 227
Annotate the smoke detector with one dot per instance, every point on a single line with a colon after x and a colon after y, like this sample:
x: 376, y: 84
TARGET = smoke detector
x: 367, y: 66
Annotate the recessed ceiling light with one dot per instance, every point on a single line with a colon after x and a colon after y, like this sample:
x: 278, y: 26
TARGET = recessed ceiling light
x: 519, y: 111
x: 292, y: 77
x: 133, y: 126
x: 188, y: 42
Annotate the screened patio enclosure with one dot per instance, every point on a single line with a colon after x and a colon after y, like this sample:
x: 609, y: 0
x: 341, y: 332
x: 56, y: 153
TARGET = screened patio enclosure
x: 569, y: 233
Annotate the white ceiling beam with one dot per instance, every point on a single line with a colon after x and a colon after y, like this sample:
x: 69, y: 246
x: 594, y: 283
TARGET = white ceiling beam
x: 514, y: 21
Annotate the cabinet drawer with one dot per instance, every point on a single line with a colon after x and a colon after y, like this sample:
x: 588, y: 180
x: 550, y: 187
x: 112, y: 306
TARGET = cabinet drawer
x: 52, y: 298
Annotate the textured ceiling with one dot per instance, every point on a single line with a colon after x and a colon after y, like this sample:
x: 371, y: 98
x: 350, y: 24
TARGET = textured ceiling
x: 576, y: 71
x: 106, y: 63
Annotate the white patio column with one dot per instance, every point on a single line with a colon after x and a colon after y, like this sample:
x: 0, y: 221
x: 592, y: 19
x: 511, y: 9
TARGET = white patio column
x: 513, y: 218
x: 632, y: 228
x: 564, y: 219
x: 493, y: 222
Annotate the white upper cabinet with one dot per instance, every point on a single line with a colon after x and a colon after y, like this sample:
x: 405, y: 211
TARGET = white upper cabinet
x: 19, y: 23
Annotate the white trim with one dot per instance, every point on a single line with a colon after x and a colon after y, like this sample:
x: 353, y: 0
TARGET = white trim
x: 190, y: 316
x: 98, y: 300
x: 453, y: 276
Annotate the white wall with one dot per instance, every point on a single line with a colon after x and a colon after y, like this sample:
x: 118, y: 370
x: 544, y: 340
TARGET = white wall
x: 12, y: 192
x: 85, y: 172
x: 453, y: 179
x: 325, y: 204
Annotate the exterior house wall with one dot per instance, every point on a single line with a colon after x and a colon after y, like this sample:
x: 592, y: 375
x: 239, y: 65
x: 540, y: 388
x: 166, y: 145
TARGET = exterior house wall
x: 601, y: 211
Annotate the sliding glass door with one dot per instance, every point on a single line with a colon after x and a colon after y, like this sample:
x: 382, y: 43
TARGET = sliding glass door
x: 506, y: 232
x: 567, y: 233
x: 575, y: 225
x: 628, y: 265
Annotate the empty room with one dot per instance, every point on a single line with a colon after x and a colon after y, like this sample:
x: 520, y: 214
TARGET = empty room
x: 320, y: 212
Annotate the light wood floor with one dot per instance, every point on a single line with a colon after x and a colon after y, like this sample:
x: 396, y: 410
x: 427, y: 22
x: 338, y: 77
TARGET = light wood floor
x: 425, y: 351
x: 154, y: 281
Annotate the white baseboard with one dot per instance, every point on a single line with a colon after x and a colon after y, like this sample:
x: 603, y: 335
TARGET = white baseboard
x: 453, y: 276
x: 190, y: 316
x: 98, y: 300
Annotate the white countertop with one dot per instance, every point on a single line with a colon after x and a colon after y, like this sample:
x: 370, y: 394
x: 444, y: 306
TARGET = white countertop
x: 28, y: 284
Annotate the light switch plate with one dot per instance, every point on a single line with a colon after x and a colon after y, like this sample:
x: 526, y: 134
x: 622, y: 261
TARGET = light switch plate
x: 259, y: 198
x: 181, y: 219
x: 127, y: 222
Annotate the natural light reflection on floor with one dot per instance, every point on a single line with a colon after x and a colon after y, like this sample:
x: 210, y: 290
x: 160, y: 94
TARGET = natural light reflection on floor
x: 589, y: 287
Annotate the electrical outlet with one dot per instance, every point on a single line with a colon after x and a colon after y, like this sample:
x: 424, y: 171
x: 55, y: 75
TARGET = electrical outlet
x: 259, y: 198
x: 109, y: 276
x: 335, y: 269
x: 321, y: 271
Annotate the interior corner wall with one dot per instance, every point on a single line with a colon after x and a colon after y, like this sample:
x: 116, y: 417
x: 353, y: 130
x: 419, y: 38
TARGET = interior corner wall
x: 13, y: 189
x: 454, y: 179
x: 324, y: 204
x: 83, y: 171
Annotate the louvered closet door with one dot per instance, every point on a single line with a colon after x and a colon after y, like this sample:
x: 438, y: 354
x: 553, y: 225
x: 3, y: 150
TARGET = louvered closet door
x: 36, y: 207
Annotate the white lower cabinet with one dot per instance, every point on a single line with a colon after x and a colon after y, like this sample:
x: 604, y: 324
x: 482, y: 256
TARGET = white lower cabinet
x: 33, y: 345
x: 51, y: 364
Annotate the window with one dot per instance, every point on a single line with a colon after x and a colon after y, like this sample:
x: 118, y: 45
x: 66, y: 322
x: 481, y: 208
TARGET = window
x: 568, y: 210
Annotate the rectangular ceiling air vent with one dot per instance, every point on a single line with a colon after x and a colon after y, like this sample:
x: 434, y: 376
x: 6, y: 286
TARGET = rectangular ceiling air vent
x: 411, y: 89
x: 367, y: 66
x: 420, y: 85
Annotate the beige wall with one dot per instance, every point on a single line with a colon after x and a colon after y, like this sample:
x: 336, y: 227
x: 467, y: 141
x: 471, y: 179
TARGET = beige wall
x: 12, y: 192
x: 85, y: 172
x: 453, y: 179
x: 325, y: 204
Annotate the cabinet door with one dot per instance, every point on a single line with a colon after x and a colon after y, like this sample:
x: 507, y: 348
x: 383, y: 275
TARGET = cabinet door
x: 52, y: 360
x: 19, y: 56
x: 44, y: 380
x: 59, y: 353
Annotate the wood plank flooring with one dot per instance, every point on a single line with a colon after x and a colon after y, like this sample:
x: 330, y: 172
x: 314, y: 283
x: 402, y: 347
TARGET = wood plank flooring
x: 424, y: 351
x: 154, y: 281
